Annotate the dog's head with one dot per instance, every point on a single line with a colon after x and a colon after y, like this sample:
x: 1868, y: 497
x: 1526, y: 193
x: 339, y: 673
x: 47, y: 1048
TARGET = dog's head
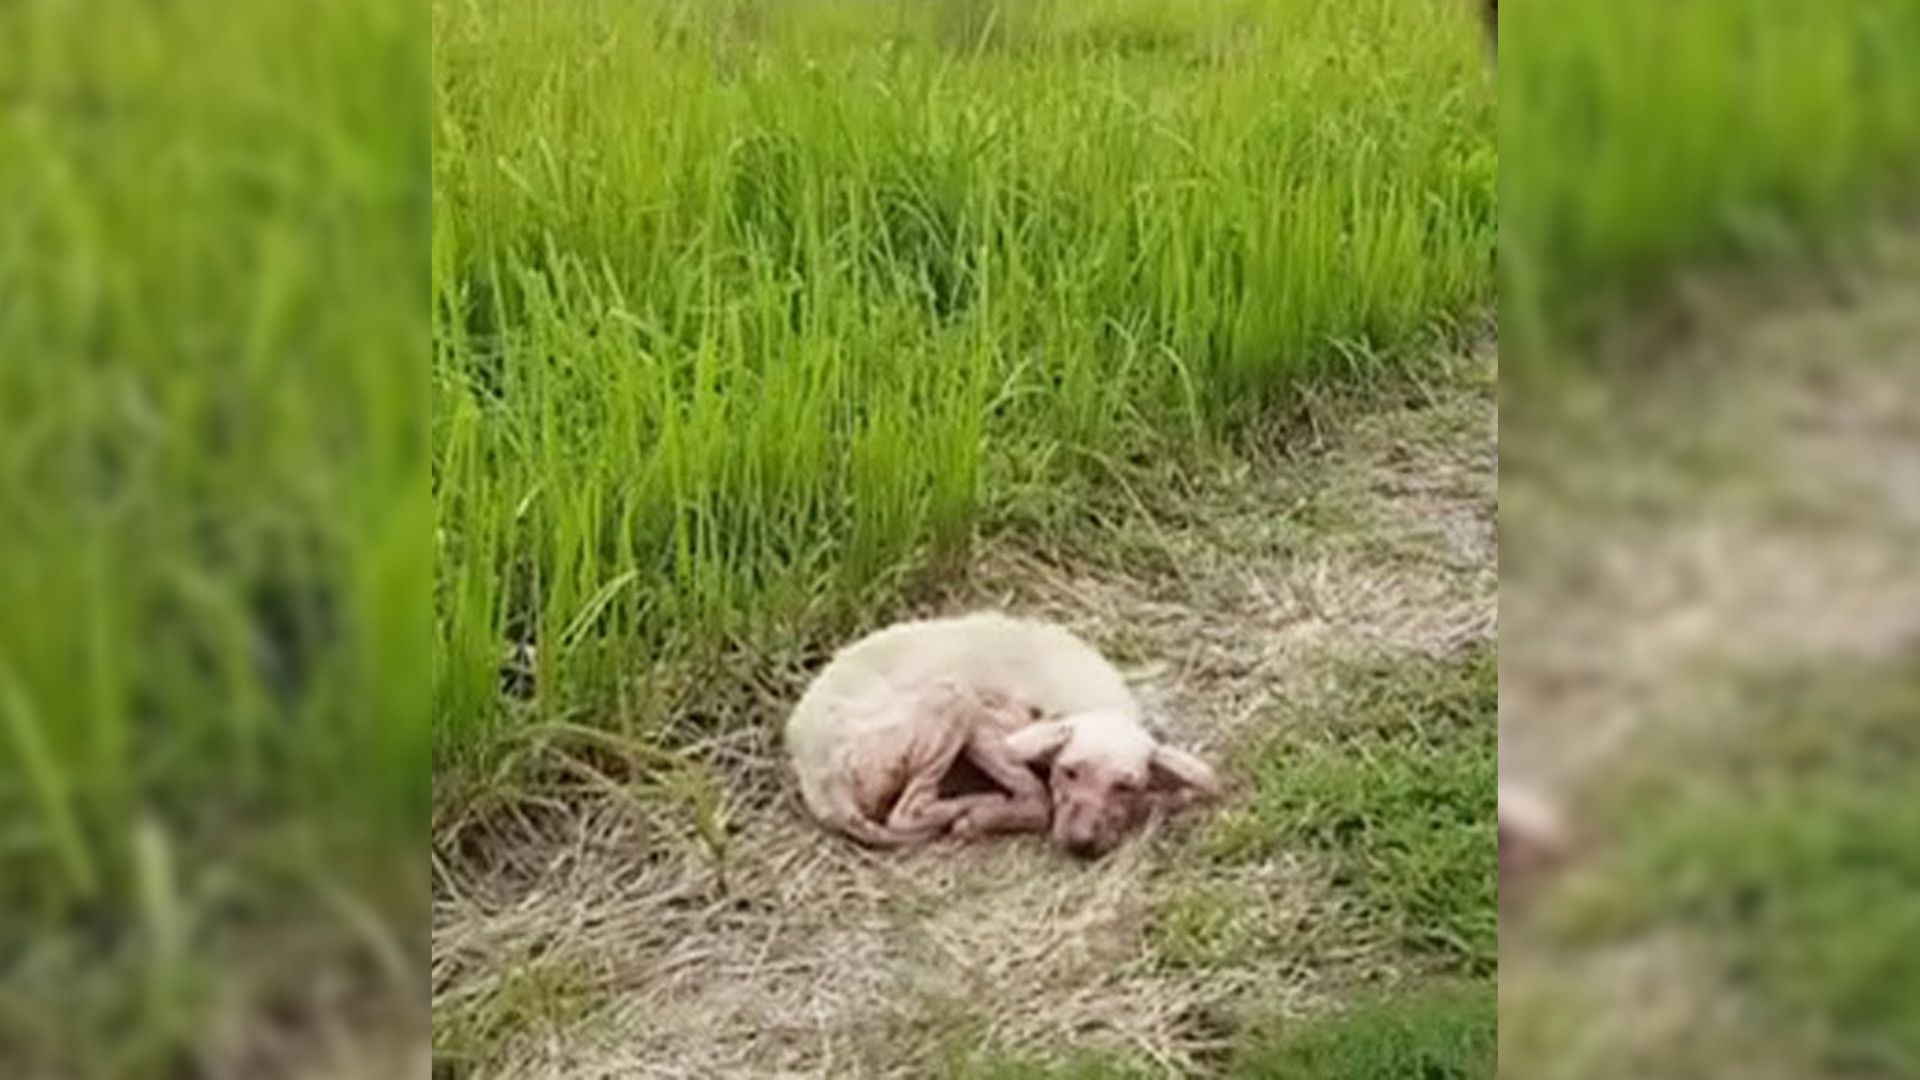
x: 1107, y: 772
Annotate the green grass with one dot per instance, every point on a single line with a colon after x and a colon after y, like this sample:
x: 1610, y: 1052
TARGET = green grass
x: 1789, y: 855
x: 744, y: 311
x: 1640, y: 136
x: 1391, y: 783
x: 214, y: 615
x: 1441, y: 1030
x: 1207, y: 927
x: 1386, y: 789
x: 534, y: 996
x: 1444, y: 1031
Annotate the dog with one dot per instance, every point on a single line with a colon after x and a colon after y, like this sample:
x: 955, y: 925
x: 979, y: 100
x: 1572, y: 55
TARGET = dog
x: 879, y: 737
x: 1533, y: 840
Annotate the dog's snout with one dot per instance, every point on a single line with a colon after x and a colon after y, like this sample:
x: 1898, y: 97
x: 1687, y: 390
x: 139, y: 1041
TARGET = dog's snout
x: 1078, y: 828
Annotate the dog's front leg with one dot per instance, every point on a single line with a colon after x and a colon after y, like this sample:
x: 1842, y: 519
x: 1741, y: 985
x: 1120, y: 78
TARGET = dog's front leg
x: 1026, y: 807
x: 999, y: 814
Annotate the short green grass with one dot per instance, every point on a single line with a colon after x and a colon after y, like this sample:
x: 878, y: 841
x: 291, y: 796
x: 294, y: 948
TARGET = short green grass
x: 214, y: 565
x: 1443, y: 1030
x: 1384, y: 789
x: 1207, y: 926
x: 743, y: 310
x: 1788, y: 855
x: 1439, y: 1031
x: 1640, y: 136
x: 534, y: 996
x: 1390, y: 783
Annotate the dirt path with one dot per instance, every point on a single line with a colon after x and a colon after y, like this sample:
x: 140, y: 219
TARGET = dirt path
x: 1746, y: 505
x: 615, y: 941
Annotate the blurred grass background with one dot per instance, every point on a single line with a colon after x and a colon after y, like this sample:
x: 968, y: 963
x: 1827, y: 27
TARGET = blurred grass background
x: 745, y: 311
x: 1739, y: 905
x: 1792, y: 856
x: 1640, y: 137
x: 215, y: 563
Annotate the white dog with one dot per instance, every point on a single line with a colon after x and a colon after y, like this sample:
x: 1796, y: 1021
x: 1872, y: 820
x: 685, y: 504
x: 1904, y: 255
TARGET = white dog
x: 889, y: 719
x: 1533, y: 838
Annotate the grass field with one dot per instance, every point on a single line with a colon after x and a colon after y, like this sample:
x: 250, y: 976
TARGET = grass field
x: 1638, y: 137
x: 1441, y: 1032
x: 745, y: 310
x: 1318, y: 622
x: 752, y: 321
x: 1765, y: 892
x: 1710, y: 602
x: 217, y: 534
x: 747, y: 319
x: 1788, y: 859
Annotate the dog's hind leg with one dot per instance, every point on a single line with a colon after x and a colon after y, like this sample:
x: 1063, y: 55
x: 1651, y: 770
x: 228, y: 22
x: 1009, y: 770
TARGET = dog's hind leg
x: 959, y: 723
x: 879, y: 835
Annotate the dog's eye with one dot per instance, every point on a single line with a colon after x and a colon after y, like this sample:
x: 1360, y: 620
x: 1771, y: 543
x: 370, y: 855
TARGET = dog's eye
x: 1069, y: 773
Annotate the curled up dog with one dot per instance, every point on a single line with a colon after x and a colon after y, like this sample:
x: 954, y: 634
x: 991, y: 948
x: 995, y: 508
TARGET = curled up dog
x: 879, y: 738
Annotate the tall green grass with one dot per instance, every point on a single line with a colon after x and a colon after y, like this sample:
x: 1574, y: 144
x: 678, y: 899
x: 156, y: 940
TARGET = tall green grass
x: 1637, y: 136
x: 214, y: 518
x: 743, y: 309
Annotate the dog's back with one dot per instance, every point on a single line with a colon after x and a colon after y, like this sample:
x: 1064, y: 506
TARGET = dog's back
x: 987, y: 653
x: 870, y: 687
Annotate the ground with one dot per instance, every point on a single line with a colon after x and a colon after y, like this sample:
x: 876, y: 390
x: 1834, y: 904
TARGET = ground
x: 1710, y: 600
x: 1315, y: 615
x: 1710, y: 606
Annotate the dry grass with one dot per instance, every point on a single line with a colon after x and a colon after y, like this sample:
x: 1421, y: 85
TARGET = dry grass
x: 619, y: 934
x: 1755, y: 501
x: 1746, y: 506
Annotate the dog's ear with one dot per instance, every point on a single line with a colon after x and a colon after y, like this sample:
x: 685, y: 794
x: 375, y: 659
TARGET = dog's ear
x: 1177, y: 770
x: 1036, y: 744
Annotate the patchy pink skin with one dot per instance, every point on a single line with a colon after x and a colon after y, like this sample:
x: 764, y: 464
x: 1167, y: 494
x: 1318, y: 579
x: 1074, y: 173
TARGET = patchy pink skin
x: 884, y: 728
x: 886, y: 723
x: 1095, y: 806
x: 1107, y: 774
